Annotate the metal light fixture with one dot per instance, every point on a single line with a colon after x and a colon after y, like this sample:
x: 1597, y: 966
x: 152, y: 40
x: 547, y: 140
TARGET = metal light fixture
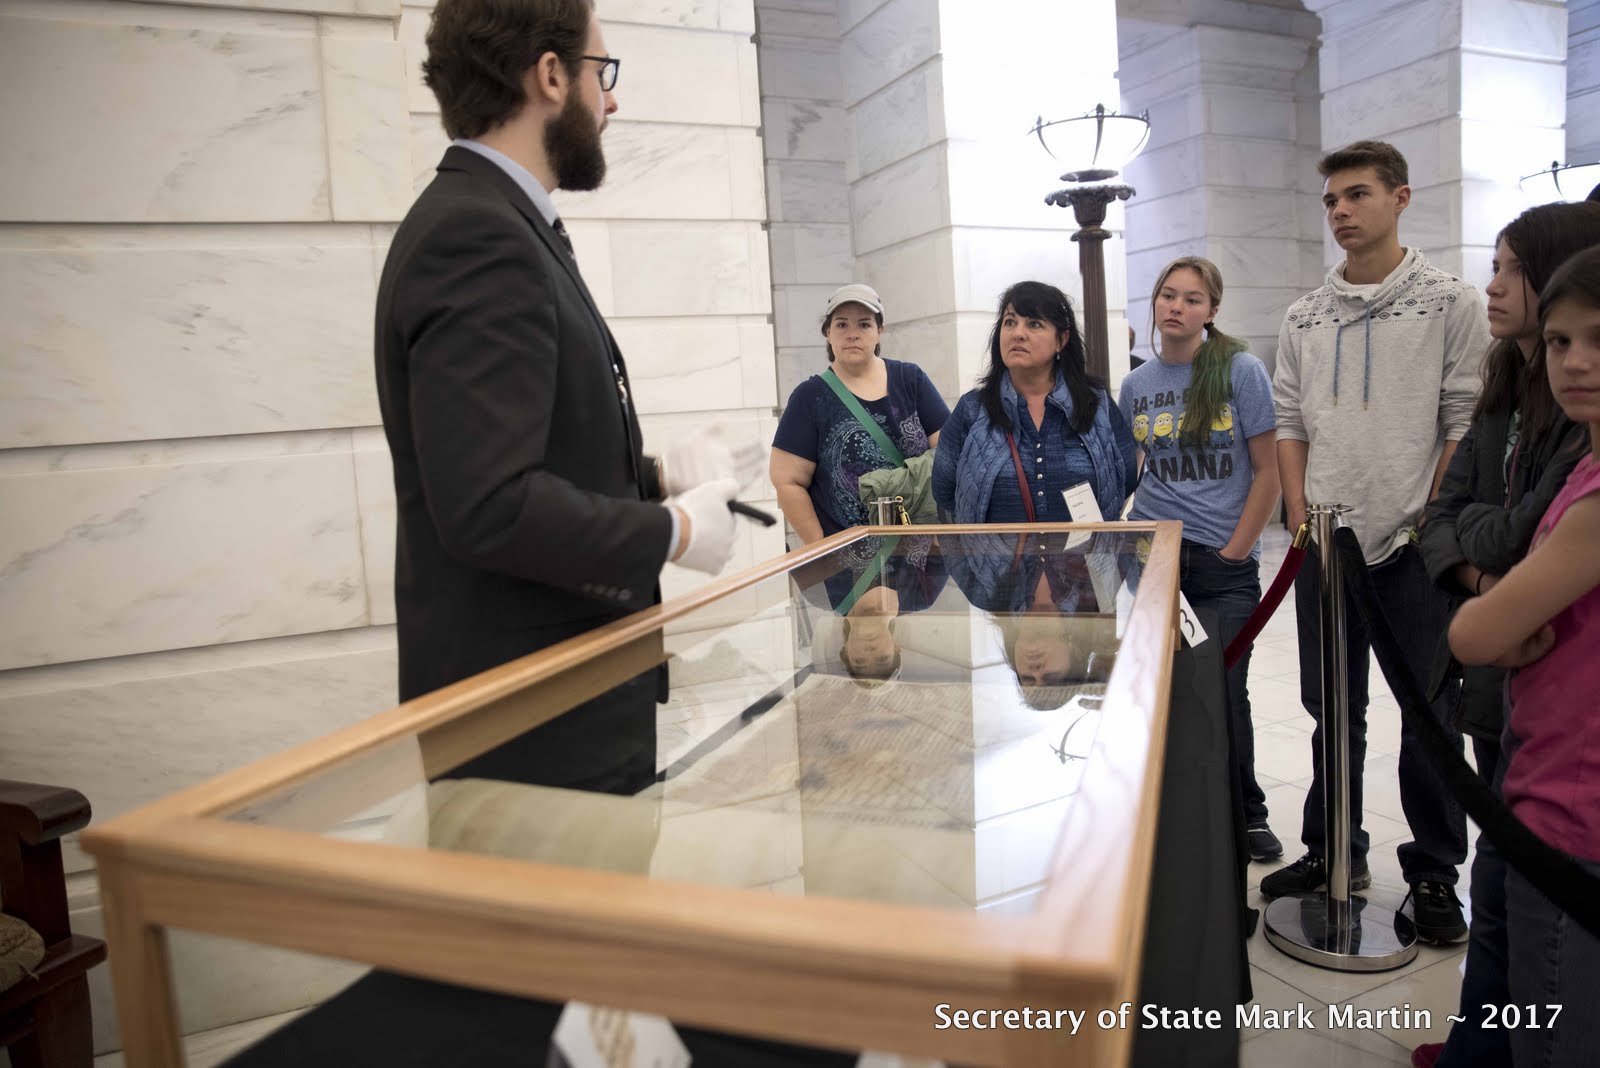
x: 1562, y: 181
x: 1096, y: 146
x: 1098, y: 142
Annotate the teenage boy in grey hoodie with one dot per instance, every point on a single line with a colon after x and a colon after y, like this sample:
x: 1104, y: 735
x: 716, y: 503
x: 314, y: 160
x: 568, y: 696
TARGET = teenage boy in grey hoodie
x: 1377, y: 373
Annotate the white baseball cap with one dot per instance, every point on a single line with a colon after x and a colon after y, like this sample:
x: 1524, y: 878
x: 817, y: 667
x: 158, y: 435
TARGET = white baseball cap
x: 854, y: 293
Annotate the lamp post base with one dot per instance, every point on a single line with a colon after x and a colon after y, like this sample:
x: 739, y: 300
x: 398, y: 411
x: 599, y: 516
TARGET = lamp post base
x: 1373, y: 940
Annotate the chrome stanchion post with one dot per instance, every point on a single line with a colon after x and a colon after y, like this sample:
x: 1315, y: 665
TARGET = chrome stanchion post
x: 1330, y: 928
x: 1335, y: 720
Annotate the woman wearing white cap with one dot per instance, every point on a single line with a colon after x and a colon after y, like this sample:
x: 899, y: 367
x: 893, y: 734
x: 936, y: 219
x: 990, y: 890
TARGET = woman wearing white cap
x: 825, y: 441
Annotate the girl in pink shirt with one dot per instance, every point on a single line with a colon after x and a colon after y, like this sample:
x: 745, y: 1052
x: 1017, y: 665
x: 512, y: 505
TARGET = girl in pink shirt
x: 1543, y: 618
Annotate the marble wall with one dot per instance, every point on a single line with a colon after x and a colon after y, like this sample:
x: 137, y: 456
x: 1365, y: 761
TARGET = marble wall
x: 1583, y: 81
x: 196, y: 560
x: 807, y: 144
x: 947, y: 189
x: 1230, y: 169
x: 1472, y: 91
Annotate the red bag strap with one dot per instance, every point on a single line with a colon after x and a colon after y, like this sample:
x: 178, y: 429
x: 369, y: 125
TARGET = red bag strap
x: 1022, y: 479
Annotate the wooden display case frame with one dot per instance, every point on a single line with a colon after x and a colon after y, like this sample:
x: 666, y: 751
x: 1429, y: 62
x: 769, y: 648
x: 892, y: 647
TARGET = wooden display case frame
x: 828, y: 971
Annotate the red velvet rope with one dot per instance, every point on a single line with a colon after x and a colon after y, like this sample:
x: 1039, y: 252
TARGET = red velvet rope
x: 1269, y: 603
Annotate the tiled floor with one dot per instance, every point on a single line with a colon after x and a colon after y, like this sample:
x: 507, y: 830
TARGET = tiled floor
x: 1430, y: 983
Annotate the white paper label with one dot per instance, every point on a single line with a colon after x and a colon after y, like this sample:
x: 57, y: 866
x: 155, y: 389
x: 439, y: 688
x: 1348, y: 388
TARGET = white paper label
x: 1189, y: 623
x: 595, y: 1036
x: 1081, y: 505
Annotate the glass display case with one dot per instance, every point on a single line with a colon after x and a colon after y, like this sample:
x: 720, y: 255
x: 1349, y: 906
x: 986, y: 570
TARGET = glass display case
x: 898, y: 774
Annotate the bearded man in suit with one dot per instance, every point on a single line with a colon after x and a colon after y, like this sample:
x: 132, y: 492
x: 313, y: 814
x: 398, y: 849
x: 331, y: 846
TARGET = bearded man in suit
x: 527, y: 510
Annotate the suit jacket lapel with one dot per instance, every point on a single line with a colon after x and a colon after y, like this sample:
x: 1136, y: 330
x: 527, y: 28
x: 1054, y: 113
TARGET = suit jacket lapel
x: 466, y: 160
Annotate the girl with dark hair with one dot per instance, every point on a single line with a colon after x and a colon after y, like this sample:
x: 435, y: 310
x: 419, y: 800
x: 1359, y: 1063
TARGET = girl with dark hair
x: 1509, y: 466
x: 1202, y: 413
x: 1543, y: 620
x: 1036, y: 426
x: 1517, y: 453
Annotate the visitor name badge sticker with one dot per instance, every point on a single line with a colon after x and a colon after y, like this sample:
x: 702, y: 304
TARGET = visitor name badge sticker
x: 596, y: 1036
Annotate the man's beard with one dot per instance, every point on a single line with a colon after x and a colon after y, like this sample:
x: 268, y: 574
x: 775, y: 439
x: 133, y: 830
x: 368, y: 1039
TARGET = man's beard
x: 572, y: 145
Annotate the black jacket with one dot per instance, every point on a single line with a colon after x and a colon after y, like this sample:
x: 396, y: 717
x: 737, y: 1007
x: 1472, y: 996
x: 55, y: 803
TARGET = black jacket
x: 525, y: 507
x: 1478, y: 519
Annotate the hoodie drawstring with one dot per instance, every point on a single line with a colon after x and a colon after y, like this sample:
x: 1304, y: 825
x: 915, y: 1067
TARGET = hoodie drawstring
x: 1366, y: 369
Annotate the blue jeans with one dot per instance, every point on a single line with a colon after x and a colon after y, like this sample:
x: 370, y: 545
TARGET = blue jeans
x: 1471, y: 1044
x: 1231, y: 590
x: 1416, y: 612
x: 1553, y: 961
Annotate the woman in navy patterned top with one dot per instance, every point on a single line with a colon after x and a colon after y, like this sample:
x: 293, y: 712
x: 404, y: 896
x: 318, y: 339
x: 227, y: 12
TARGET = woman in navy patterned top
x: 821, y: 449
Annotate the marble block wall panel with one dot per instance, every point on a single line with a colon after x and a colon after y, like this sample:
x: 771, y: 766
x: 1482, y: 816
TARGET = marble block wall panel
x: 113, y: 336
x: 797, y: 69
x: 1523, y: 27
x: 797, y: 364
x: 915, y: 278
x: 696, y: 364
x: 803, y: 129
x: 664, y: 171
x: 810, y: 253
x: 383, y: 9
x: 1425, y: 91
x: 591, y: 244
x: 776, y: 21
x: 211, y: 125
x: 369, y: 150
x: 904, y: 200
x: 807, y: 192
x: 988, y: 261
x: 139, y: 729
x: 97, y: 563
x: 684, y: 269
x: 1529, y: 92
x: 899, y: 120
x: 797, y: 315
x: 898, y: 37
x: 731, y: 15
x: 375, y: 507
x: 1404, y: 34
x: 652, y: 86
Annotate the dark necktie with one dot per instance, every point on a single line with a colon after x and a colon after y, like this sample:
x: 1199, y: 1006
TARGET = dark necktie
x: 566, y: 242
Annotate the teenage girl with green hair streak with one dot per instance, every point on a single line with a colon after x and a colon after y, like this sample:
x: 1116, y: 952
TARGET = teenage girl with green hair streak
x: 1203, y: 417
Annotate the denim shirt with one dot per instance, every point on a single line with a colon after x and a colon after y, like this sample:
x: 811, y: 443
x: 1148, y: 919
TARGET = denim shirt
x: 973, y: 453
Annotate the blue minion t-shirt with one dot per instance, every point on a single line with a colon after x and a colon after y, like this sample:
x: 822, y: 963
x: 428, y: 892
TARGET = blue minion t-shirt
x: 1204, y: 487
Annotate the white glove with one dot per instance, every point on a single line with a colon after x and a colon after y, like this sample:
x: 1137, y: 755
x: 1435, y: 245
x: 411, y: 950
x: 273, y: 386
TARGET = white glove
x: 706, y: 455
x: 710, y: 525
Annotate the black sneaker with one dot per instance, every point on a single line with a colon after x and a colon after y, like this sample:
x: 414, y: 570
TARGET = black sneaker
x: 1264, y: 845
x: 1308, y: 875
x: 1436, y: 911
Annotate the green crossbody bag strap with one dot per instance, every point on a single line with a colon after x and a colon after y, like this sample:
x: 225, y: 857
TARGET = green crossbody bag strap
x: 870, y: 575
x: 854, y: 406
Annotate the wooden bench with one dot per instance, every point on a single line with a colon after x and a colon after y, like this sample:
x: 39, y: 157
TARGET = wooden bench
x: 44, y: 1019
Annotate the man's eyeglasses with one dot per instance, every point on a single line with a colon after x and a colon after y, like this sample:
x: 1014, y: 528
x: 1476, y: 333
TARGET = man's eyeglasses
x: 608, y: 71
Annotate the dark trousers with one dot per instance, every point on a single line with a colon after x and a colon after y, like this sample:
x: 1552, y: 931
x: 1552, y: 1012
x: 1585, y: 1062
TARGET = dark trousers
x: 1232, y: 591
x: 1416, y: 613
x: 1486, y: 982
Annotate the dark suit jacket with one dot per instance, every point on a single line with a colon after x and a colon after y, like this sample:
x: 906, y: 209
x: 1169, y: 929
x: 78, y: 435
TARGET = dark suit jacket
x: 526, y: 511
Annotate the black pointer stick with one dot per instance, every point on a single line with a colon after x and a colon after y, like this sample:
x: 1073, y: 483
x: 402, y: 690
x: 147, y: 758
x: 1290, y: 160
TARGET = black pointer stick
x: 740, y: 508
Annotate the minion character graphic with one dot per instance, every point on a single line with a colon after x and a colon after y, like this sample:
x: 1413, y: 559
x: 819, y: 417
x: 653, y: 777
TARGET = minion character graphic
x: 1222, y: 428
x: 1161, y: 436
x: 1141, y: 428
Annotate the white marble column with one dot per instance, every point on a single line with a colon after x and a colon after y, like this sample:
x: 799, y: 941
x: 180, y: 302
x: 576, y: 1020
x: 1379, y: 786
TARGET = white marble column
x: 1583, y: 81
x: 947, y: 189
x: 197, y: 553
x: 807, y: 144
x: 1230, y: 170
x: 1473, y: 92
